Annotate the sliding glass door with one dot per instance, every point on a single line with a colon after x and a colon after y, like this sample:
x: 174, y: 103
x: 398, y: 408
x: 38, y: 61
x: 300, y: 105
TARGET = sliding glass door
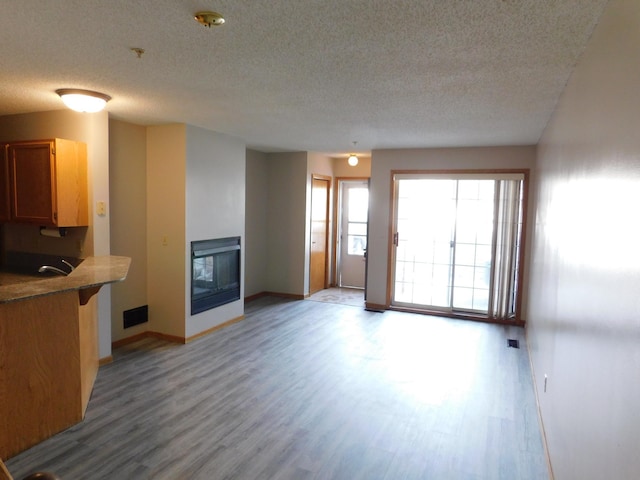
x: 456, y: 242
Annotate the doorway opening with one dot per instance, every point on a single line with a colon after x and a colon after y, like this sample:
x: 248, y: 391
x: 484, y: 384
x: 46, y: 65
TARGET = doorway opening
x: 457, y: 243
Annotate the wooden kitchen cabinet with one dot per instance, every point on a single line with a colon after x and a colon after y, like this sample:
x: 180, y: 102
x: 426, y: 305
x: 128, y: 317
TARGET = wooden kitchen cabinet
x: 48, y: 182
x: 5, y: 211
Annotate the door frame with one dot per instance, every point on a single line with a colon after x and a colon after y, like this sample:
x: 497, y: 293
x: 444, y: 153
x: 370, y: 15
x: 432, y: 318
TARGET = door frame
x: 334, y: 233
x: 327, y: 260
x: 523, y: 240
x: 339, y: 215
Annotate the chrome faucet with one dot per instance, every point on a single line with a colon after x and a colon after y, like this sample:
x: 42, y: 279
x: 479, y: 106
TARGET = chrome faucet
x: 48, y: 268
x: 68, y: 265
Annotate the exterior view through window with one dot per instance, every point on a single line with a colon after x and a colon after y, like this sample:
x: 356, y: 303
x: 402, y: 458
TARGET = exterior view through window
x: 358, y: 206
x: 457, y: 243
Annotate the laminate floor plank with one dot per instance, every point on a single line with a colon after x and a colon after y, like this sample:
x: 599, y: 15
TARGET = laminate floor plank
x: 309, y: 390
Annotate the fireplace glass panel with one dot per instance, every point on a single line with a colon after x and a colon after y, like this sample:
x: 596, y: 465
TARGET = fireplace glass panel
x: 215, y: 273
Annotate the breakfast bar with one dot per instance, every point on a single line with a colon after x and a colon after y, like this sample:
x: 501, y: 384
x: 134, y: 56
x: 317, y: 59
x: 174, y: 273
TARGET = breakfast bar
x: 49, y: 349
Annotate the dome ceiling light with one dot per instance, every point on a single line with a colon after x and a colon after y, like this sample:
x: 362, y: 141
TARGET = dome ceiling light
x: 209, y: 19
x: 83, y: 100
x: 353, y: 158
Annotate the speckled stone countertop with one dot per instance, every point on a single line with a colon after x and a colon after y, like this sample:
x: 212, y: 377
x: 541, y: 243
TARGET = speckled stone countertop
x: 92, y: 272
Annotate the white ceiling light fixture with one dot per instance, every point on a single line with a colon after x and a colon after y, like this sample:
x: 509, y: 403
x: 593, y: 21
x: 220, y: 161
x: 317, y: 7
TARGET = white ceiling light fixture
x: 353, y: 158
x: 83, y: 100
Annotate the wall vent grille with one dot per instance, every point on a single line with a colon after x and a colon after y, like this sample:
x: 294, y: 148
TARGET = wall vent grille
x: 135, y: 316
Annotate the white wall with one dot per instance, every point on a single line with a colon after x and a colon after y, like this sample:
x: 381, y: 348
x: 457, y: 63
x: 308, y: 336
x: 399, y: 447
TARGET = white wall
x: 384, y: 161
x: 286, y: 218
x: 255, y: 223
x: 215, y: 208
x: 584, y: 315
x: 128, y: 194
x: 93, y: 129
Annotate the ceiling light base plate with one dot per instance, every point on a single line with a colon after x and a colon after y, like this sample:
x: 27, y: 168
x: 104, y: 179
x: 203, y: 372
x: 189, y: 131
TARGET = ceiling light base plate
x: 209, y: 19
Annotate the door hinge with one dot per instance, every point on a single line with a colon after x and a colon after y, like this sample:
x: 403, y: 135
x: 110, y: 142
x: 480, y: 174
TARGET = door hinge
x: 395, y: 239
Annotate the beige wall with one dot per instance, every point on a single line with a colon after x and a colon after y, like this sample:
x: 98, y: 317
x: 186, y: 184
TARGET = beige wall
x: 584, y: 315
x: 128, y: 193
x: 93, y: 129
x: 166, y: 244
x: 286, y: 217
x: 342, y: 169
x: 384, y: 161
x: 256, y: 226
x: 278, y: 206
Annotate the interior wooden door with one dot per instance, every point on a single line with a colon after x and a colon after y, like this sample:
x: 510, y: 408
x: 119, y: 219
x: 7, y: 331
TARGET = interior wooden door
x: 319, y: 233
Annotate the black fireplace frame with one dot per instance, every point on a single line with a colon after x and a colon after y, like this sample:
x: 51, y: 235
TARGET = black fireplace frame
x: 203, y: 299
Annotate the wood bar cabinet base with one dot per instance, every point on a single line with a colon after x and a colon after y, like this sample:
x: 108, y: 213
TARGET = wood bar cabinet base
x: 48, y: 364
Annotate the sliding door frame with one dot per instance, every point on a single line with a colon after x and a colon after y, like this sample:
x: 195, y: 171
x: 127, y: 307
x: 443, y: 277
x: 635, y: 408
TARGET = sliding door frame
x: 517, y: 320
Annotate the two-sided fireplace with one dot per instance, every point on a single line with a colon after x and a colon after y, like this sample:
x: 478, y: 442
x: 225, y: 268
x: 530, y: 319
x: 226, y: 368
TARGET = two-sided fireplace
x: 215, y: 273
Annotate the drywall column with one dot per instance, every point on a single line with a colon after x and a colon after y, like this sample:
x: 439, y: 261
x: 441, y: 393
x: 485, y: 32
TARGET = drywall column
x: 166, y: 266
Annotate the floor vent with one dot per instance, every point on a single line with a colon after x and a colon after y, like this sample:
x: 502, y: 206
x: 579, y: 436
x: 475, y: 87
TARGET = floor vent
x: 135, y: 316
x: 511, y: 343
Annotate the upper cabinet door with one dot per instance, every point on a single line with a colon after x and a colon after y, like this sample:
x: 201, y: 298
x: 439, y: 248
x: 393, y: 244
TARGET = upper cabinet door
x: 48, y: 183
x: 32, y: 186
x: 5, y: 210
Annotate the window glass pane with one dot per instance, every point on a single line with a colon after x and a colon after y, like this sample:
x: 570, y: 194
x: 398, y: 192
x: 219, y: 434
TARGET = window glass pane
x: 357, y: 245
x: 481, y: 277
x: 468, y: 189
x: 485, y: 233
x: 441, y: 275
x: 442, y: 252
x: 463, y: 298
x: 357, y: 228
x: 464, y: 276
x: 465, y: 254
x: 440, y: 296
x: 481, y: 299
x: 483, y: 255
x: 358, y: 204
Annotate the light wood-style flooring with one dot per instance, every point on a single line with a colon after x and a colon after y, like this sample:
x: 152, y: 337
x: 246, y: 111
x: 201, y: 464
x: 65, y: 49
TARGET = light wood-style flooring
x: 309, y: 390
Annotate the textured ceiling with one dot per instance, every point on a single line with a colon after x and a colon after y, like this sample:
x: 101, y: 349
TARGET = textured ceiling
x: 305, y: 74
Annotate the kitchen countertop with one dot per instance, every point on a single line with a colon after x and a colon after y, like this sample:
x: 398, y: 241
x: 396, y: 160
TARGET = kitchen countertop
x: 93, y: 272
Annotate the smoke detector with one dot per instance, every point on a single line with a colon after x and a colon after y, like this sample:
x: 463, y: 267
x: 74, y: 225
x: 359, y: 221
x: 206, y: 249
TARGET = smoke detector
x: 209, y: 19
